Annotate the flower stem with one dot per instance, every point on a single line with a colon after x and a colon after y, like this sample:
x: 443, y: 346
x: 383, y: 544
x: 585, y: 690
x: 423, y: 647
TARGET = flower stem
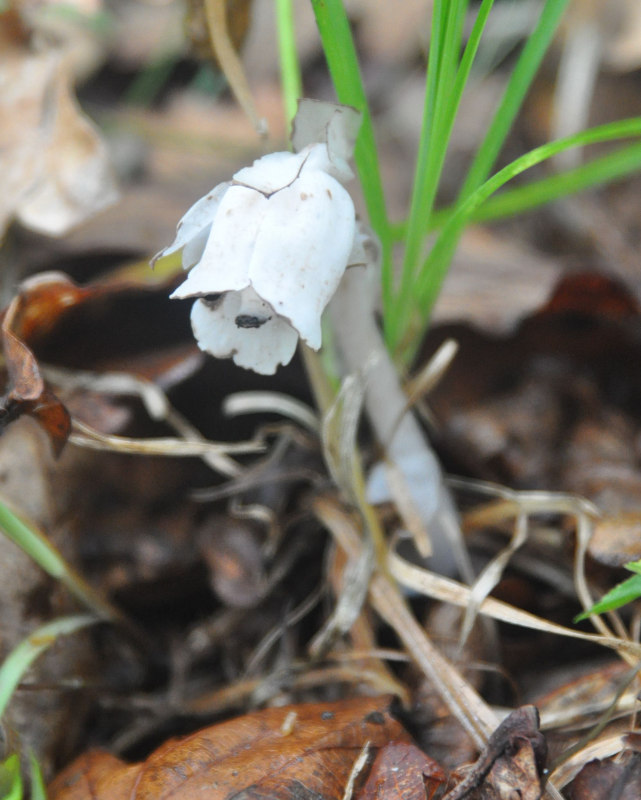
x: 407, y: 450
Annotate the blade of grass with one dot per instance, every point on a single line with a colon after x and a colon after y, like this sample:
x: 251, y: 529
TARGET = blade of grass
x: 21, y: 657
x: 510, y: 202
x: 291, y: 80
x: 39, y: 548
x: 38, y: 788
x: 518, y: 85
x: 434, y: 141
x: 447, y: 29
x: 11, y: 779
x: 342, y: 61
x: 435, y: 266
x: 151, y: 79
x: 605, y: 169
x: 620, y: 595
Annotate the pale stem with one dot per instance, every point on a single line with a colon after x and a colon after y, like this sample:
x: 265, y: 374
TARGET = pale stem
x: 407, y: 450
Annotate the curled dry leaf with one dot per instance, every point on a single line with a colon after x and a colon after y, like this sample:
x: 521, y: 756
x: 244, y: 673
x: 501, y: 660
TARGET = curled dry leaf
x: 53, y: 164
x: 28, y: 320
x: 27, y: 392
x: 260, y: 755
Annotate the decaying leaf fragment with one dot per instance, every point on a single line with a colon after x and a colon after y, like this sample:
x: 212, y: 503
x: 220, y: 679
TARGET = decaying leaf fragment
x: 261, y: 755
x: 608, y: 778
x: 54, y: 169
x: 402, y: 772
x: 26, y: 392
x: 511, y: 764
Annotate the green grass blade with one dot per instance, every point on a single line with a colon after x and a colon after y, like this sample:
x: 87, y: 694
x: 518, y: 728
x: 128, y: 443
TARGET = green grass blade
x: 21, y: 657
x: 435, y: 262
x: 291, y: 79
x: 620, y: 595
x: 11, y: 779
x: 38, y: 787
x: 435, y: 267
x: 36, y: 545
x: 151, y: 79
x: 444, y: 89
x: 469, y: 54
x: 442, y: 65
x: 605, y: 169
x: 342, y: 61
x: 518, y: 85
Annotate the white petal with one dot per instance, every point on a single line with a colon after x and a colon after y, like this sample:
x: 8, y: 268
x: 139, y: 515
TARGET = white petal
x: 334, y: 125
x: 319, y: 157
x: 271, y: 172
x: 193, y: 250
x: 224, y: 264
x: 302, y: 249
x: 241, y: 325
x: 198, y: 218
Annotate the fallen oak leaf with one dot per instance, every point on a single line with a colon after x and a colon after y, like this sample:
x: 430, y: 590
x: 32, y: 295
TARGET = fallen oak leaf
x: 304, y: 751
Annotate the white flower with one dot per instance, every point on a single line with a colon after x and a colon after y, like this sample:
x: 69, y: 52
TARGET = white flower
x: 268, y: 249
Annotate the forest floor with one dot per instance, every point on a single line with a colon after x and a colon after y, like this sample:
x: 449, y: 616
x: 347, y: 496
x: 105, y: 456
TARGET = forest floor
x: 225, y: 580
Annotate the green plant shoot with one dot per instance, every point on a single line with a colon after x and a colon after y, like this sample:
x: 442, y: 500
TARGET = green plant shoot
x: 410, y: 293
x: 623, y: 593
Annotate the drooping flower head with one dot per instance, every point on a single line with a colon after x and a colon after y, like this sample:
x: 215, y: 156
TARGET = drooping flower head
x: 267, y: 250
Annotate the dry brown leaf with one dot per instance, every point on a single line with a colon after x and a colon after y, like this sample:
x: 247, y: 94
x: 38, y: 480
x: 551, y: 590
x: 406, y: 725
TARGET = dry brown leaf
x: 515, y: 774
x: 27, y: 392
x: 232, y: 551
x: 402, y: 772
x: 53, y: 164
x: 511, y: 764
x: 603, y: 780
x: 291, y: 752
x: 37, y: 308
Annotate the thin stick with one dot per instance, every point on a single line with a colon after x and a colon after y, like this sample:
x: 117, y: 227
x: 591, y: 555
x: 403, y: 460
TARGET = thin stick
x: 216, y: 13
x: 466, y: 705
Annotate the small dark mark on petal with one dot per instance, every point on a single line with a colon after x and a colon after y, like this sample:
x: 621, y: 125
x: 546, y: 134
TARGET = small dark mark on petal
x: 327, y: 715
x: 375, y: 718
x: 212, y: 301
x: 250, y: 321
